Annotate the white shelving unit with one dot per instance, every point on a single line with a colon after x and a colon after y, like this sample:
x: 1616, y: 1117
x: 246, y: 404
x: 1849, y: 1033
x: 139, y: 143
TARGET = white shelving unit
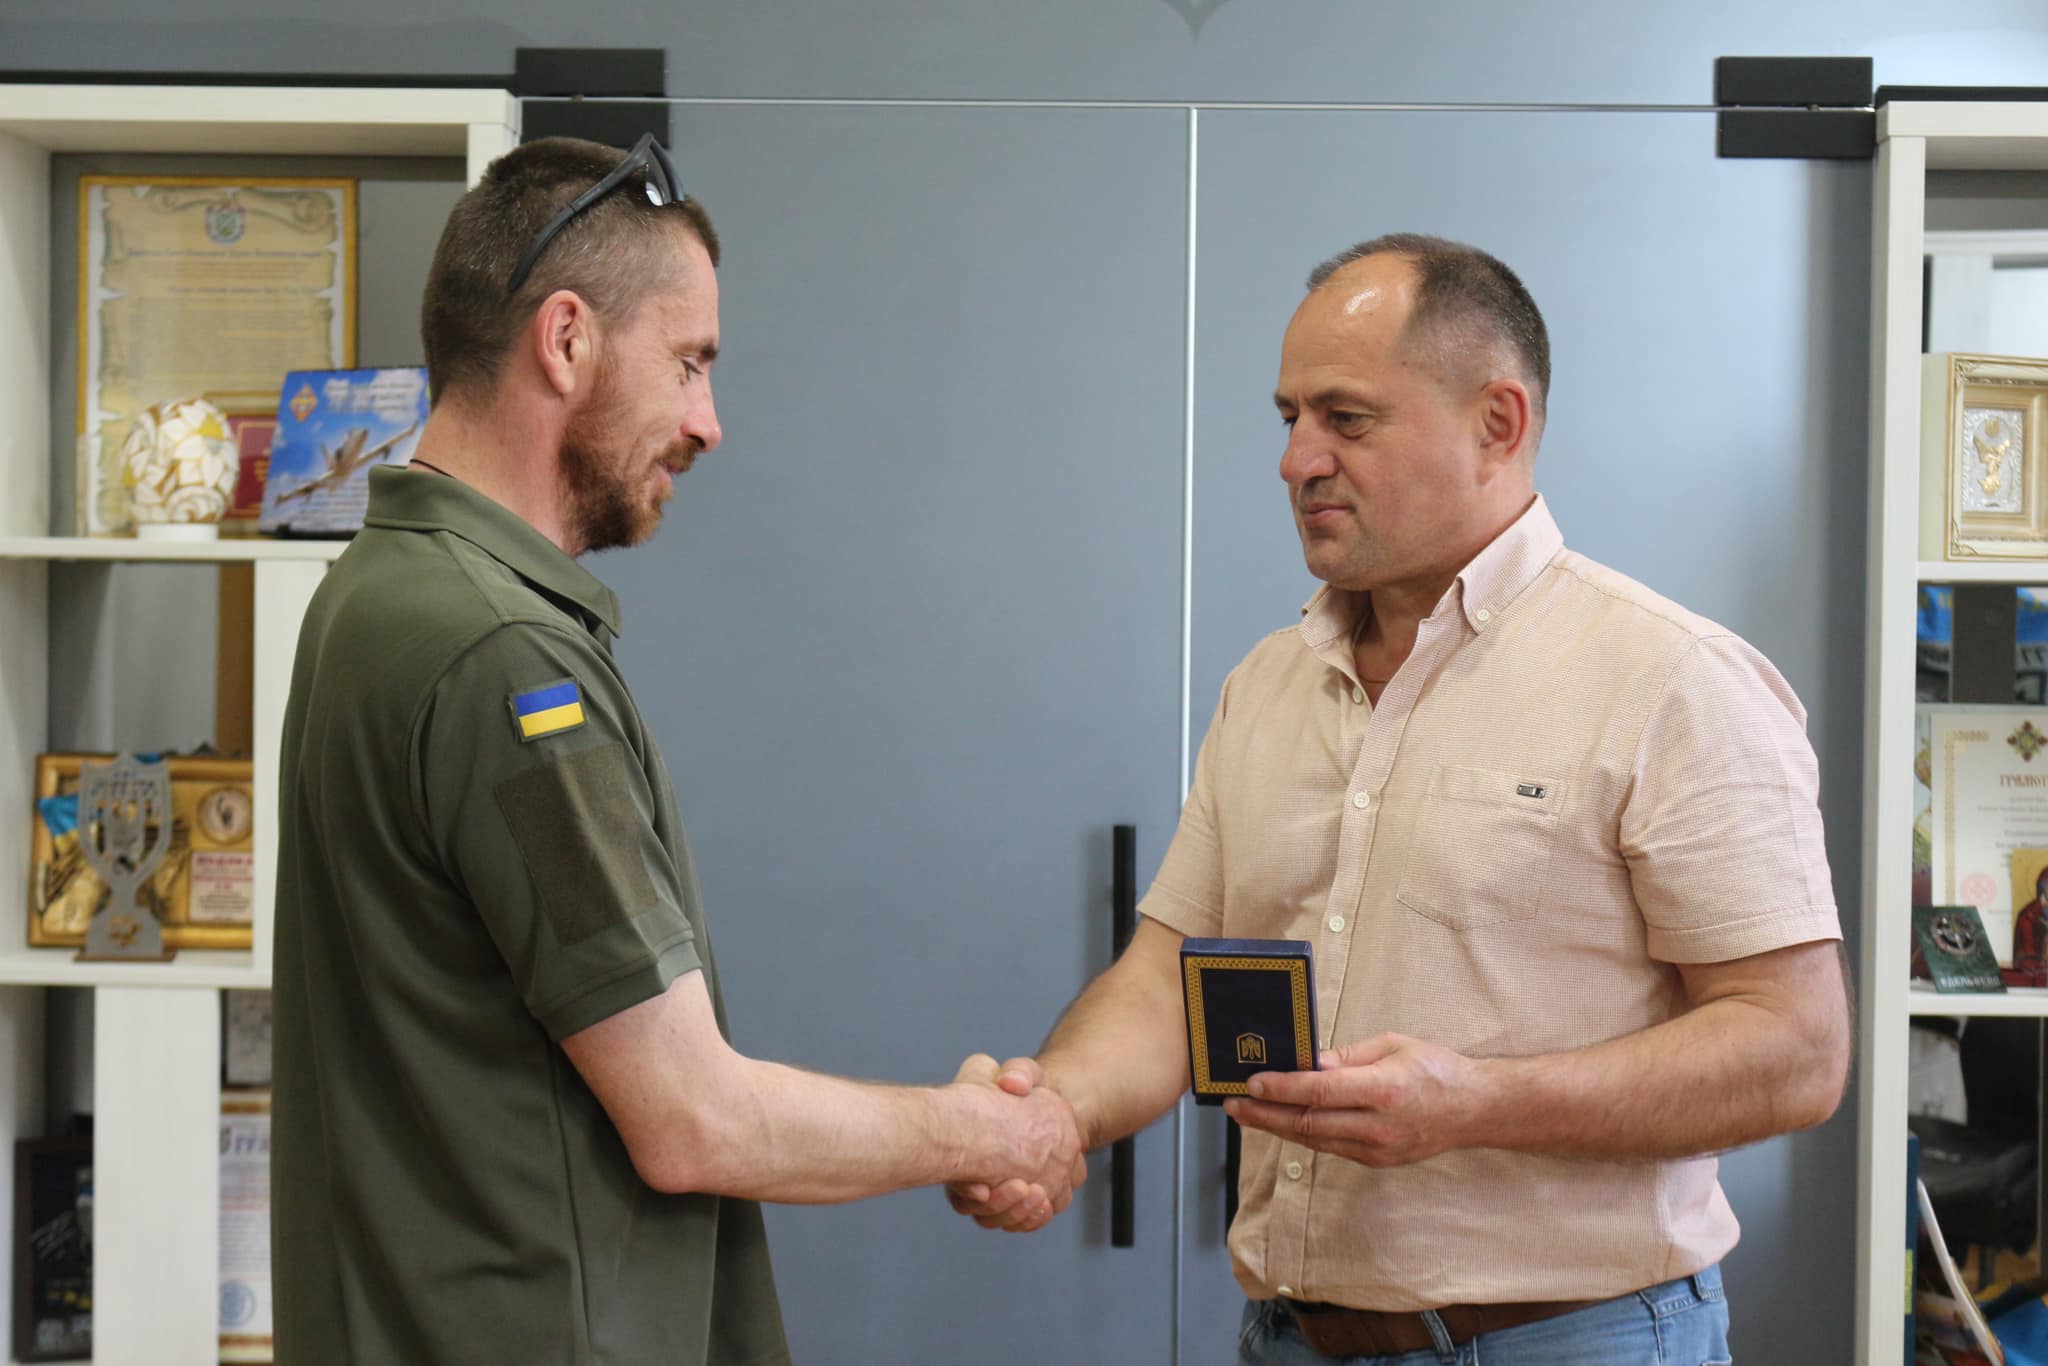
x: 156, y: 1026
x: 1913, y: 139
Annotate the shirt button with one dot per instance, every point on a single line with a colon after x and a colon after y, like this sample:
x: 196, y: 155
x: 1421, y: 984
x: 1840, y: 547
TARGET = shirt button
x: 1284, y: 1289
x: 1483, y: 615
x: 1337, y: 924
x: 1358, y: 694
x: 1294, y: 1171
x: 1361, y: 800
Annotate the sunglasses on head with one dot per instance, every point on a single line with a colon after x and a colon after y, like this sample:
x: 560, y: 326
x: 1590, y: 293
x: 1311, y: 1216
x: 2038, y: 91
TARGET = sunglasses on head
x: 662, y: 187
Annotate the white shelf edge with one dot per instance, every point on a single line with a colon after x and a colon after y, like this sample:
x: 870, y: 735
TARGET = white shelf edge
x: 2019, y: 573
x: 1991, y: 135
x: 2023, y: 1002
x: 227, y: 550
x: 271, y: 119
x: 191, y: 968
x: 339, y: 103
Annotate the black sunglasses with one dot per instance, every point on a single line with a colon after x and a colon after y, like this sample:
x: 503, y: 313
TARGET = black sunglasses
x: 662, y: 186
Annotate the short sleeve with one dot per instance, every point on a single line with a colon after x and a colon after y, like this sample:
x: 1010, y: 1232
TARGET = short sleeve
x: 1187, y: 894
x: 536, y: 793
x: 1722, y: 829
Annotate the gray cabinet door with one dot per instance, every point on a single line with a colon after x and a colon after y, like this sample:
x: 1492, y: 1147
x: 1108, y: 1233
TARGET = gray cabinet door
x: 1706, y: 436
x: 911, y: 643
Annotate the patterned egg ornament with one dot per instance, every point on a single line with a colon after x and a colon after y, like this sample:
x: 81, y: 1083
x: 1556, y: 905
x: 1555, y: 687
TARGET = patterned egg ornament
x: 179, y: 466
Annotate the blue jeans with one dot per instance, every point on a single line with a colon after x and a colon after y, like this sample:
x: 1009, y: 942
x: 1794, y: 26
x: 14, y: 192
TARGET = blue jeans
x: 1679, y: 1323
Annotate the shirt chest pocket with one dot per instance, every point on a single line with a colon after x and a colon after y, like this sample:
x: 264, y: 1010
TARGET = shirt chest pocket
x: 1482, y: 847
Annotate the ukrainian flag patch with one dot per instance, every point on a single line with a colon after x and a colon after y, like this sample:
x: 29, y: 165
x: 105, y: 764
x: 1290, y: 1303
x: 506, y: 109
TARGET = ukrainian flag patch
x: 550, y: 710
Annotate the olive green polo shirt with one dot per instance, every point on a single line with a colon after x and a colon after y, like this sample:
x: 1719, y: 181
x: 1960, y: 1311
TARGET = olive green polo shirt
x: 479, y: 856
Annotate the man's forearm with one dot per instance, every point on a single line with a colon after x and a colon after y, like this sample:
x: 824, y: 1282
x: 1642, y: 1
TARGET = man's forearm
x: 1723, y: 1074
x: 1762, y: 1048
x: 802, y: 1138
x: 697, y: 1116
x: 1119, y: 1053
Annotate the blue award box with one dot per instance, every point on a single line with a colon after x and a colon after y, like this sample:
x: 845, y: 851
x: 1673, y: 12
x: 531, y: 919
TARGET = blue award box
x: 332, y: 427
x: 1251, y: 1007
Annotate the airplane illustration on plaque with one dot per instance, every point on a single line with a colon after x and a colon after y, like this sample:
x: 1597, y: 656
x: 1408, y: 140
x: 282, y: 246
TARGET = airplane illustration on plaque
x: 345, y: 461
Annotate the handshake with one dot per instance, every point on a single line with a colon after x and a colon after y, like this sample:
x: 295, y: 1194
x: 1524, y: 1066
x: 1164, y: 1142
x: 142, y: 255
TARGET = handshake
x: 1044, y: 1163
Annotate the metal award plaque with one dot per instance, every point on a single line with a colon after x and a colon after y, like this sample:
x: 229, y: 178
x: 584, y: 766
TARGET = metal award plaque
x: 124, y: 831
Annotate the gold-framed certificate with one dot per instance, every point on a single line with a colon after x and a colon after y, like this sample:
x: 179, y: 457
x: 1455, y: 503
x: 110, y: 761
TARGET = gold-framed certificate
x: 1988, y: 774
x: 201, y: 286
x: 245, y: 1323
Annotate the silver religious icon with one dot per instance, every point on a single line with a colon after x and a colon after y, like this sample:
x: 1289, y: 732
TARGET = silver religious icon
x: 124, y: 831
x: 1984, y: 457
x: 1994, y: 440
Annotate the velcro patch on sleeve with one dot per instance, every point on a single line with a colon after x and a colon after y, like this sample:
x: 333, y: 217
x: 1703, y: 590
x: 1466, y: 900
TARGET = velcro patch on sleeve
x: 575, y: 824
x: 551, y: 709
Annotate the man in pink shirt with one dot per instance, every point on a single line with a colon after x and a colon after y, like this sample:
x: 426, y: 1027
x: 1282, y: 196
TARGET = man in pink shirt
x: 1556, y: 845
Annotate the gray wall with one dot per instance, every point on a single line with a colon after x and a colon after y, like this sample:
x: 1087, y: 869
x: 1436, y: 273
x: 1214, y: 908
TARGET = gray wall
x: 1717, y: 456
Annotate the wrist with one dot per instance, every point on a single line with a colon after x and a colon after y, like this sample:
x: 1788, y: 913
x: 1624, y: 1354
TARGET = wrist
x: 1079, y: 1099
x: 974, y: 1139
x: 1496, y: 1083
x: 1518, y: 1102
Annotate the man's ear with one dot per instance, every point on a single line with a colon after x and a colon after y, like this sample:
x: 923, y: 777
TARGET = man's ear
x: 1506, y: 418
x: 563, y: 337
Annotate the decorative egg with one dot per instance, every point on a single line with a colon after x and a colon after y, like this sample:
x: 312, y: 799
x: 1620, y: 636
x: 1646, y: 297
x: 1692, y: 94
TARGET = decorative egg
x: 179, y: 466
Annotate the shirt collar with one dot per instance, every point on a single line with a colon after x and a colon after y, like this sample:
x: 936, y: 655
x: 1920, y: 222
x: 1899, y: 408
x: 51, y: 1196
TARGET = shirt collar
x: 1509, y: 564
x: 1482, y: 591
x: 419, y: 500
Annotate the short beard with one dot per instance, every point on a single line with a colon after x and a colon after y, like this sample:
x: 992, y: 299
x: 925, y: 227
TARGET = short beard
x: 601, y: 512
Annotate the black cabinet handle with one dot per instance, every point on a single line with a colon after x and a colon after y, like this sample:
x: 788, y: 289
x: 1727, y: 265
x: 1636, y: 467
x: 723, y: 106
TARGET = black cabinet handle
x: 1233, y: 1158
x: 1123, y: 1154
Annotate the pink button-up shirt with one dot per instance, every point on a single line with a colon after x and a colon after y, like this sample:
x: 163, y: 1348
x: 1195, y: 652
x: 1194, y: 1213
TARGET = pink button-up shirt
x: 1570, y: 785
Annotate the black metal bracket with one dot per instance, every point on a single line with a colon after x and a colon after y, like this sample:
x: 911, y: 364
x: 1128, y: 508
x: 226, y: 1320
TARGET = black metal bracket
x: 1795, y: 107
x: 556, y: 84
x: 1233, y: 1165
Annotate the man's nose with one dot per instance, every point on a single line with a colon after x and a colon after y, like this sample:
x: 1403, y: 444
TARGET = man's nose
x: 703, y: 423
x: 1306, y: 457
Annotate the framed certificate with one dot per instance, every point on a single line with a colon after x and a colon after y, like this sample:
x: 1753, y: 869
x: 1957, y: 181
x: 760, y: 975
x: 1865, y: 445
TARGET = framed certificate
x: 1988, y: 779
x: 197, y: 285
x: 245, y: 1331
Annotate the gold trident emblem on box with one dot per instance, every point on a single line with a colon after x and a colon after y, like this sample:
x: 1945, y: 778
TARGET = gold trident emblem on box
x: 1251, y: 1048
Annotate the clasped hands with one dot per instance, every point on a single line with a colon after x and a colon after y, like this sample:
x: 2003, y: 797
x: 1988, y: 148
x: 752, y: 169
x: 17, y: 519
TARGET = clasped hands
x: 1381, y: 1102
x: 1022, y: 1203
